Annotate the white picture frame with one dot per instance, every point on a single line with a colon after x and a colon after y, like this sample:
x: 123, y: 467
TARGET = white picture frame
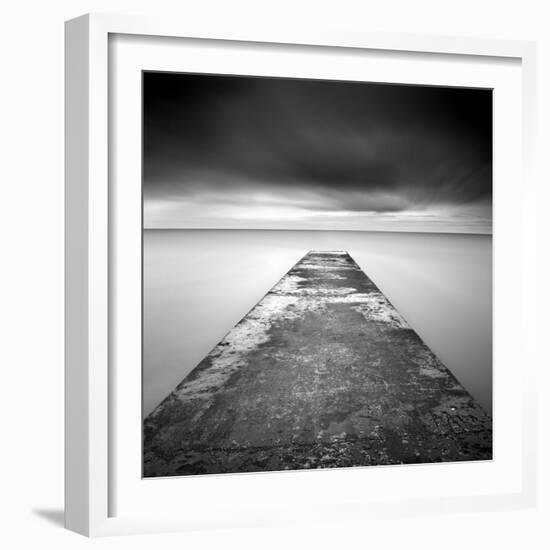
x: 91, y: 221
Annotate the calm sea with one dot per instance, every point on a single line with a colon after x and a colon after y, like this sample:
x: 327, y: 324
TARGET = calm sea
x: 199, y: 283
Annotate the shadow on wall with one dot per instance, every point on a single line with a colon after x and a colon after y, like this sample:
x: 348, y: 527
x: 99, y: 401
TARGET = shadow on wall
x: 56, y: 517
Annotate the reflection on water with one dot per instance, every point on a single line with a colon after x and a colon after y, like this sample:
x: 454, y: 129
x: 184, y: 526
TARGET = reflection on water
x: 199, y: 284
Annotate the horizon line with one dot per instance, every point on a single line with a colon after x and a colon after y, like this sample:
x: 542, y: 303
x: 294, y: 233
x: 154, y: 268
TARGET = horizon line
x: 317, y: 230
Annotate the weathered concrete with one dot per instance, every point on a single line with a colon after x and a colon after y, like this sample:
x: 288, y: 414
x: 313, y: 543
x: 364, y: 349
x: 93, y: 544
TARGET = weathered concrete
x: 323, y: 372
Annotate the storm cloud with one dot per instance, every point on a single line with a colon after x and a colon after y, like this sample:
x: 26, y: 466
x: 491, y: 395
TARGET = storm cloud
x: 246, y: 152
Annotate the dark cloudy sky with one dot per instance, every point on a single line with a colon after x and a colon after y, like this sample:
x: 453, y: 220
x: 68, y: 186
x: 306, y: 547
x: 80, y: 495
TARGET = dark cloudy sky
x: 242, y: 152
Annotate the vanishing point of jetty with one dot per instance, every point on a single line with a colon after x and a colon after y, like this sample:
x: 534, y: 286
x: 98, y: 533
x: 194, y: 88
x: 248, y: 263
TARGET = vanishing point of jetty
x: 323, y: 372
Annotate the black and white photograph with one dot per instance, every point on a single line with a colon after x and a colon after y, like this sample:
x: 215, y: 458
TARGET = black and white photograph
x: 316, y: 274
x: 275, y: 275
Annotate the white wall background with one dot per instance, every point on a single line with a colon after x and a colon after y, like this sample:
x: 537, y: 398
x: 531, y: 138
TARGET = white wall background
x: 31, y: 268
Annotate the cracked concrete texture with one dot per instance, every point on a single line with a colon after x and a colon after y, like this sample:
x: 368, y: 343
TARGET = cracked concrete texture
x: 323, y: 372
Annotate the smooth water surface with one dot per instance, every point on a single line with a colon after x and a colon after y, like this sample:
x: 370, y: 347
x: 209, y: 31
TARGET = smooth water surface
x: 199, y: 283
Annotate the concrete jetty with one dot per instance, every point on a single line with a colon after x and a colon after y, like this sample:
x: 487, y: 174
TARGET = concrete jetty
x: 323, y: 372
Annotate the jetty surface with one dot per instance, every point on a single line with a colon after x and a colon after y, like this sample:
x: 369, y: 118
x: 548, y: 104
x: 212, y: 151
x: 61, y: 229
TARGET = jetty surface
x: 322, y: 372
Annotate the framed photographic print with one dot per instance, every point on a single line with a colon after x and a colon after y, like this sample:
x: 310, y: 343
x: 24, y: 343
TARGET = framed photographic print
x: 289, y: 273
